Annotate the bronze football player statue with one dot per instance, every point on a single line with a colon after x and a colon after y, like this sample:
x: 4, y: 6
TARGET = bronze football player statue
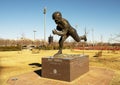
x: 64, y: 29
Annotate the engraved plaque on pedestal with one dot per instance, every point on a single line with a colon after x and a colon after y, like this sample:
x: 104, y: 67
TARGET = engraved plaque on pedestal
x: 65, y: 67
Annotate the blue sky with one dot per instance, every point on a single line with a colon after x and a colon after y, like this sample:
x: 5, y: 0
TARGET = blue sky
x: 19, y: 17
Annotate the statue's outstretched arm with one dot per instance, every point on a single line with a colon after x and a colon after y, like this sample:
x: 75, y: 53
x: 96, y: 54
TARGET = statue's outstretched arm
x: 60, y: 33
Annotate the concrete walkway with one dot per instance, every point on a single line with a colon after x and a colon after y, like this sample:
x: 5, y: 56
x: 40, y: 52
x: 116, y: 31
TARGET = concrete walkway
x: 95, y: 76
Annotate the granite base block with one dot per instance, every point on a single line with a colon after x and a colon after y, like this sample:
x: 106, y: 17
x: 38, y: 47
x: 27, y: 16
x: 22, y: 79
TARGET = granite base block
x: 65, y: 67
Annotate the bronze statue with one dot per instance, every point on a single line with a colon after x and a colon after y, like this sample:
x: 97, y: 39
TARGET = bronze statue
x: 65, y: 30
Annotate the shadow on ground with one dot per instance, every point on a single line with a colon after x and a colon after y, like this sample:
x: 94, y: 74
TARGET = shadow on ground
x: 39, y: 72
x: 36, y: 64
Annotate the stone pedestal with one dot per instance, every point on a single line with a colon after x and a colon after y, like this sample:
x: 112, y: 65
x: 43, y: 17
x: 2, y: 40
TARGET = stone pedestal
x: 65, y: 67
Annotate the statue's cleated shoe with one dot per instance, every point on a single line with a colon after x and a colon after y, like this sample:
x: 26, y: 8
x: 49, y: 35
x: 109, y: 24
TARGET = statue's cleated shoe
x: 83, y: 38
x: 58, y: 53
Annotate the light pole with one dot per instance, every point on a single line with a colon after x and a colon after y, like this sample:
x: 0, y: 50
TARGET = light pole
x: 44, y: 12
x: 34, y: 34
x: 93, y: 37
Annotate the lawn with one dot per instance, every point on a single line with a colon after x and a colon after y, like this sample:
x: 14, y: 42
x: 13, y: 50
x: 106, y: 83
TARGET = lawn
x: 14, y: 63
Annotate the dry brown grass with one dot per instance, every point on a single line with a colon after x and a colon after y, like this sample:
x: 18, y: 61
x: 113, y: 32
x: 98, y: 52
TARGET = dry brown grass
x: 17, y: 62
